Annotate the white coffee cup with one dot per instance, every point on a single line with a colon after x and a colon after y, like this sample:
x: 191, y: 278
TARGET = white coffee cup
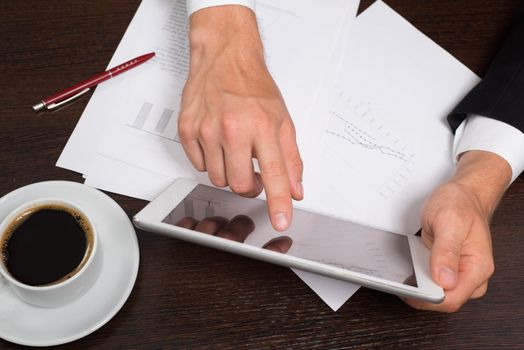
x: 62, y: 292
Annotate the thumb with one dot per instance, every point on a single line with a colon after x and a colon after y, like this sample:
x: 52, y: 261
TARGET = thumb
x: 448, y: 237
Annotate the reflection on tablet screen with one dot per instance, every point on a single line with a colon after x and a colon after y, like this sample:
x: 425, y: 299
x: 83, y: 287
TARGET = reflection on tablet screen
x: 311, y: 236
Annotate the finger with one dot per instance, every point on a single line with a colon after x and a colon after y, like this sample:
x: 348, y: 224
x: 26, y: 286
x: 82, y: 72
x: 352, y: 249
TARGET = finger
x: 448, y: 233
x: 237, y: 229
x: 188, y: 135
x: 187, y: 222
x: 211, y: 225
x: 214, y: 158
x: 474, y: 271
x: 471, y: 276
x: 480, y: 291
x: 275, y: 181
x: 240, y: 172
x: 279, y: 245
x: 195, y: 155
x: 419, y: 305
x: 292, y: 158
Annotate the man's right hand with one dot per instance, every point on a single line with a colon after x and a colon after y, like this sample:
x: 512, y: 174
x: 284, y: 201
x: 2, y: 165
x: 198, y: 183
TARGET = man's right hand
x: 232, y: 112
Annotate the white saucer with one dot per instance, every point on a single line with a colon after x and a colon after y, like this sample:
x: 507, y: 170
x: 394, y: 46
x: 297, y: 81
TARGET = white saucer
x: 25, y: 324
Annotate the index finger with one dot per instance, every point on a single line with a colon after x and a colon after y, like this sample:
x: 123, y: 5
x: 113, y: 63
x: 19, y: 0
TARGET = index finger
x: 275, y: 181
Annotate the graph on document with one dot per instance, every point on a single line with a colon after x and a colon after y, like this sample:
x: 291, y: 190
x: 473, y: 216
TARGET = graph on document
x: 364, y: 148
x: 156, y: 121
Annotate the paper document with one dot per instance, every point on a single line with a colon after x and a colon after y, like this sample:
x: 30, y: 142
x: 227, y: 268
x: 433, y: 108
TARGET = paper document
x: 143, y: 140
x: 150, y: 96
x: 369, y: 97
x: 299, y: 36
x: 383, y: 142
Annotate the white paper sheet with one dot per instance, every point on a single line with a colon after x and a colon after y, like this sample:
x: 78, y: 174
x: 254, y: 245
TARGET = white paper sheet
x: 382, y: 136
x: 299, y: 36
x: 161, y: 26
x: 371, y: 152
x: 144, y: 106
x: 81, y: 146
x: 379, y: 120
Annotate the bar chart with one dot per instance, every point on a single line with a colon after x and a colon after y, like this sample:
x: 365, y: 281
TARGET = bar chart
x: 157, y: 121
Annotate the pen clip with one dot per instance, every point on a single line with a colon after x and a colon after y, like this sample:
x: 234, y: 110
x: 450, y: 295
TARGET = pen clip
x: 61, y: 103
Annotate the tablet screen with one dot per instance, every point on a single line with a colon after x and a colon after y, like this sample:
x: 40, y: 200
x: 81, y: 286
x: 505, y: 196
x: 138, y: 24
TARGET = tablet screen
x: 311, y: 236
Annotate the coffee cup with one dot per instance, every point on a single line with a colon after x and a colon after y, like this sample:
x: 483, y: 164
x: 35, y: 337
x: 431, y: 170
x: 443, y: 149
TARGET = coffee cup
x: 43, y: 256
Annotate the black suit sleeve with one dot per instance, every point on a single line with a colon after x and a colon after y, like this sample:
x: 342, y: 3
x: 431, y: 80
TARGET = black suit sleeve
x: 500, y: 95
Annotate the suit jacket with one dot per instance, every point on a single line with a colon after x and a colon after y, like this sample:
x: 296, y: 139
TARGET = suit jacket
x: 500, y: 95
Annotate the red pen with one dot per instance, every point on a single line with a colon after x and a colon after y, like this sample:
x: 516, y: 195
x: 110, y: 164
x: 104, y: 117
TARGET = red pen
x: 79, y: 89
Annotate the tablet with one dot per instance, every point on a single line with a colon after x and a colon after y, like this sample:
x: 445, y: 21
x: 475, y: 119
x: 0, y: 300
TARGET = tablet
x: 317, y: 243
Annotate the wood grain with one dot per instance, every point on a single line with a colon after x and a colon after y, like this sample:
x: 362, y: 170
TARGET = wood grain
x: 188, y: 296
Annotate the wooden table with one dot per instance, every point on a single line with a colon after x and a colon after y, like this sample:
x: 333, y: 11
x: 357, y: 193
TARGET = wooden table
x: 187, y: 296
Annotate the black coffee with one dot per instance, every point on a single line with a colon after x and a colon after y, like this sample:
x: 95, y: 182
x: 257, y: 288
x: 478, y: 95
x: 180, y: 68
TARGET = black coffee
x: 46, y: 245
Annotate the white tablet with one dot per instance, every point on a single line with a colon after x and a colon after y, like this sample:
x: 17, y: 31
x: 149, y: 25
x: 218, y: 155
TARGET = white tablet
x: 317, y: 243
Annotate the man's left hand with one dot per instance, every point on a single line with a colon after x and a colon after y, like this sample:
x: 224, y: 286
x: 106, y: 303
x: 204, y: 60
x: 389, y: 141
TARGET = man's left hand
x: 455, y: 226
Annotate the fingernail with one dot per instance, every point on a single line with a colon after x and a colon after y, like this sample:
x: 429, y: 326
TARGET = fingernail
x: 447, y: 277
x: 281, y: 221
x: 300, y: 189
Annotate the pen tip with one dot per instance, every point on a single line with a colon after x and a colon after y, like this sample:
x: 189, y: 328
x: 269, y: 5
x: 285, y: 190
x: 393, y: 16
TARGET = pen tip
x: 38, y: 107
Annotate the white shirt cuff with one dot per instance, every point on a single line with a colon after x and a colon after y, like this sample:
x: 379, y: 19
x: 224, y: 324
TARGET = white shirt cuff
x: 478, y: 133
x: 195, y: 5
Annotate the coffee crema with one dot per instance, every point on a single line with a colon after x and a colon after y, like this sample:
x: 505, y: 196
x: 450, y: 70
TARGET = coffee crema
x: 46, y: 245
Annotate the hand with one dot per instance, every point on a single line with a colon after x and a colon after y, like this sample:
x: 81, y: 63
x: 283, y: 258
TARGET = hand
x: 237, y: 229
x: 455, y: 226
x: 232, y: 112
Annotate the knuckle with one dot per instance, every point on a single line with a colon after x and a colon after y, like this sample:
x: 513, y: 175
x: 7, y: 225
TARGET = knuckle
x: 241, y: 187
x: 451, y: 225
x: 185, y: 129
x: 297, y: 163
x: 427, y: 238
x: 445, y: 216
x: 490, y: 268
x: 264, y: 123
x: 207, y: 132
x: 482, y: 292
x: 218, y: 181
x: 274, y: 168
x: 452, y: 307
x: 447, y: 253
x: 200, y: 167
x: 230, y: 124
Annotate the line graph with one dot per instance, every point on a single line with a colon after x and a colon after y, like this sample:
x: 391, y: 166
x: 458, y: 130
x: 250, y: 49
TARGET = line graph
x: 356, y: 136
x: 363, y: 147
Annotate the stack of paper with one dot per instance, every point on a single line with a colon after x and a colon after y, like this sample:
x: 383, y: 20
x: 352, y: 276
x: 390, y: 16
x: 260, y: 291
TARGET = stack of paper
x: 373, y: 92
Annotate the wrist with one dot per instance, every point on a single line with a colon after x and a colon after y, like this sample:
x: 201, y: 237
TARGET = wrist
x: 485, y: 176
x: 215, y: 28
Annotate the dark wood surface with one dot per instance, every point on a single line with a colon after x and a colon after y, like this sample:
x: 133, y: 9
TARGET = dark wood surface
x: 187, y: 296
